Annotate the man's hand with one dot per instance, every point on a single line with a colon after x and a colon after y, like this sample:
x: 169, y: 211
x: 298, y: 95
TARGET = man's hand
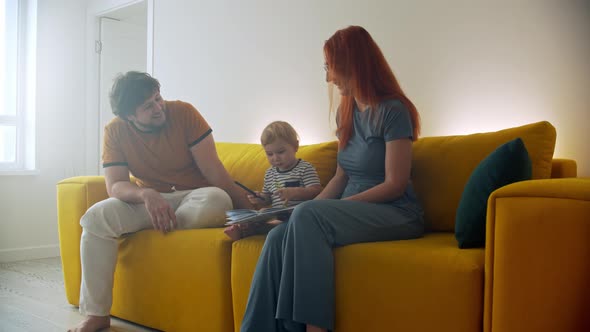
x: 161, y: 213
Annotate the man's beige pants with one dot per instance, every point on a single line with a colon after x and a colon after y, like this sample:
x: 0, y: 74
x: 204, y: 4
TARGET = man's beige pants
x: 108, y: 220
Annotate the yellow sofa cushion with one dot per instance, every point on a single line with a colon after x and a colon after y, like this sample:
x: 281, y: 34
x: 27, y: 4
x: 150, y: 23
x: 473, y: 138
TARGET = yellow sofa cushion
x: 74, y: 196
x: 564, y: 168
x: 175, y: 282
x: 537, y: 257
x: 507, y: 164
x: 426, y: 284
x: 247, y: 163
x: 442, y: 165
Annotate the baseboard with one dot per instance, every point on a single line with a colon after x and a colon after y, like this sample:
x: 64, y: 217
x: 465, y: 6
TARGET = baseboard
x: 26, y: 253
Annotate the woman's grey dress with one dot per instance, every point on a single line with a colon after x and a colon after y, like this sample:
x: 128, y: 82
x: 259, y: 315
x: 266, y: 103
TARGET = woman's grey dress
x: 293, y: 284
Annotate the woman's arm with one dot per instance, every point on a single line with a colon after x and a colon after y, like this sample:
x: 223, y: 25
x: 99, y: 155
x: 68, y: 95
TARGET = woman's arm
x: 398, y: 165
x: 336, y: 186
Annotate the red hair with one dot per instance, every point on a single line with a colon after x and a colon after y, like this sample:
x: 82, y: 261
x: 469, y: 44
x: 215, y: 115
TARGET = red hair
x: 354, y: 56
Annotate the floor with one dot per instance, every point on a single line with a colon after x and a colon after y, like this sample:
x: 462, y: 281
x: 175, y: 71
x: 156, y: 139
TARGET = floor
x: 32, y: 298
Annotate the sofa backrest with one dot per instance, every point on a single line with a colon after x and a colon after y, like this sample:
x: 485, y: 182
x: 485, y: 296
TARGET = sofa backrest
x: 247, y: 163
x: 442, y: 165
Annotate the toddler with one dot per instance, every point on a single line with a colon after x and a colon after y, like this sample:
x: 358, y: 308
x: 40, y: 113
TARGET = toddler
x: 287, y: 182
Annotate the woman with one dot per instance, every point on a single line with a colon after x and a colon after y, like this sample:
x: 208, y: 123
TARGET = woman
x: 370, y: 198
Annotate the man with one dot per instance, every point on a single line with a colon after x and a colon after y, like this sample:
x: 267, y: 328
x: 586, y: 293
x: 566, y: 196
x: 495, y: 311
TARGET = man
x: 180, y: 183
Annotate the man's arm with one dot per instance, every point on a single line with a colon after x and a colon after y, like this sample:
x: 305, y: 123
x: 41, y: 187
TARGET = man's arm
x: 205, y: 155
x: 119, y: 186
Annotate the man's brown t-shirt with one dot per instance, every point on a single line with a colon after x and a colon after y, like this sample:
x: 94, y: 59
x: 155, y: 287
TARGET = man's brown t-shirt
x: 161, y: 160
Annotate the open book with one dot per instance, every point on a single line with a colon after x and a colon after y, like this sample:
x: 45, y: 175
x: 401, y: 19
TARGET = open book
x: 240, y: 216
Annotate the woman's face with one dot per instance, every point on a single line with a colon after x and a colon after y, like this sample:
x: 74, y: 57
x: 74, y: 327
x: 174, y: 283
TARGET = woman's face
x: 333, y: 77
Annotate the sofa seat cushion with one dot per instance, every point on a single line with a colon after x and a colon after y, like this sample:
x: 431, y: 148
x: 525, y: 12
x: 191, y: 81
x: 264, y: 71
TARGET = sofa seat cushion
x: 427, y: 284
x: 175, y: 282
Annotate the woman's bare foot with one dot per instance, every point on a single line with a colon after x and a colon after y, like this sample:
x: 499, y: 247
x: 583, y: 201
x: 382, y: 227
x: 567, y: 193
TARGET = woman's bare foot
x: 233, y: 232
x: 92, y: 324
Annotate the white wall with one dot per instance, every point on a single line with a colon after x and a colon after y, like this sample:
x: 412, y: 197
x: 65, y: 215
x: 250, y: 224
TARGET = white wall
x: 28, y: 213
x: 123, y: 49
x: 468, y: 67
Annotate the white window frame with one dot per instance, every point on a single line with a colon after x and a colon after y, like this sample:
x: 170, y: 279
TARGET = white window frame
x: 23, y: 91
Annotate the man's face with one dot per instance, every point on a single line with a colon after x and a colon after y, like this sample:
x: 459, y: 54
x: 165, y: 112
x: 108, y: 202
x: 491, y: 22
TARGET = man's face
x: 150, y: 115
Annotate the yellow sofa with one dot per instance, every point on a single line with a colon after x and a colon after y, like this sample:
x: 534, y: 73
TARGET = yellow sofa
x: 533, y: 274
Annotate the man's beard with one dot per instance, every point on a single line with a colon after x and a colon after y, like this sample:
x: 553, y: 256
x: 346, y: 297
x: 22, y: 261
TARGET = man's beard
x: 149, y: 127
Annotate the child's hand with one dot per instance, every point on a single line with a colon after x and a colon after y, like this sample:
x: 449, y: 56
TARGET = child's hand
x: 287, y: 194
x: 255, y: 199
x: 258, y: 200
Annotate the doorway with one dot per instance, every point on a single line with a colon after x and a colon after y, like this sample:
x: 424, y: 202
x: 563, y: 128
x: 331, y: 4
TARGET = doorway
x: 123, y: 43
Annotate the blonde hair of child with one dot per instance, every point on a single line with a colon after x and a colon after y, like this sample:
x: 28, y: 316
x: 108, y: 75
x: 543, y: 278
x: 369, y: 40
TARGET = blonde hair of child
x: 279, y: 130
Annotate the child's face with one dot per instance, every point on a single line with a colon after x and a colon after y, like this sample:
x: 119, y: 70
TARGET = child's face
x: 281, y: 154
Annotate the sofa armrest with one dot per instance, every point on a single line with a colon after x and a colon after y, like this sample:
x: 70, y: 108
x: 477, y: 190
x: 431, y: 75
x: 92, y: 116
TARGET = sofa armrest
x: 74, y: 196
x: 538, y: 256
x: 564, y: 168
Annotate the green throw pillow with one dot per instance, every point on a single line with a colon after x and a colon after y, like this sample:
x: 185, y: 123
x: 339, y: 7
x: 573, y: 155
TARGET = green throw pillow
x: 507, y: 164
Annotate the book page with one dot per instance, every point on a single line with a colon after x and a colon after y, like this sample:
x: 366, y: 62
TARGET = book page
x: 239, y: 216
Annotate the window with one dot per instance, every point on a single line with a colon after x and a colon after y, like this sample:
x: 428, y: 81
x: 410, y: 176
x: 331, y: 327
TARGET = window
x: 17, y: 49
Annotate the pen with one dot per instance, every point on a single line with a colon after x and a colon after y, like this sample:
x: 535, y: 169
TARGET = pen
x: 247, y: 189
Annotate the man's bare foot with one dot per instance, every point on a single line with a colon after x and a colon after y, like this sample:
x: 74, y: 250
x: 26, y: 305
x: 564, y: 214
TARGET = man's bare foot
x: 92, y: 324
x: 233, y: 232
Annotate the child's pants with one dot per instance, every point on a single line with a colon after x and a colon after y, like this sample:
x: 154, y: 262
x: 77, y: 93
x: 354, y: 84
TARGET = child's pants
x: 108, y: 220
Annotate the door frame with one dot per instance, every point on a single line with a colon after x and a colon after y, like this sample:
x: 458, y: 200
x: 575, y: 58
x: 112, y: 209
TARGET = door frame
x: 94, y: 10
